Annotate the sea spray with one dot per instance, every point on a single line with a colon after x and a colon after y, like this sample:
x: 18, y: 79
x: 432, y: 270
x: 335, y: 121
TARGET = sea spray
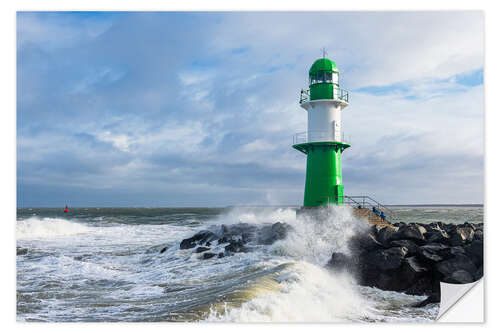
x: 308, y: 292
x: 315, y: 237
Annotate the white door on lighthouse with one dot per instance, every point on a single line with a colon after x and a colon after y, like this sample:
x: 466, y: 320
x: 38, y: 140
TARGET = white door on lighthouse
x: 336, y: 131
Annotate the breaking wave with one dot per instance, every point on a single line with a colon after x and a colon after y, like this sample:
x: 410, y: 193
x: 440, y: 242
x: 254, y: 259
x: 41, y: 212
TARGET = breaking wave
x: 35, y: 227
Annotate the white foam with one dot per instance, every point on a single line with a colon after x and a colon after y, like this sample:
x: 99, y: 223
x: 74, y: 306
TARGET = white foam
x: 315, y: 239
x: 309, y: 294
x: 254, y: 215
x: 34, y: 227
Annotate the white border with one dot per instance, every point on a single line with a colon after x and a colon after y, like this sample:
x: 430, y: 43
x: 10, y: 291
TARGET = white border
x: 8, y: 144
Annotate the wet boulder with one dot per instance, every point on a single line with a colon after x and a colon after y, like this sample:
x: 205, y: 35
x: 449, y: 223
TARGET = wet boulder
x: 461, y: 235
x: 199, y: 238
x: 20, y: 251
x: 409, y: 274
x: 270, y: 234
x: 340, y: 262
x: 431, y: 253
x: 410, y: 245
x: 474, y: 251
x: 245, y: 232
x: 386, y: 259
x: 459, y: 277
x: 235, y: 246
x: 200, y: 249
x: 386, y: 235
x: 479, y: 273
x: 364, y: 242
x: 459, y: 262
x: 208, y: 255
x: 412, y: 232
x: 435, y: 234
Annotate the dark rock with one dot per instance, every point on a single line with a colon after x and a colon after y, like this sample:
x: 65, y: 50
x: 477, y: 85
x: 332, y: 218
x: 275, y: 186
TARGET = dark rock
x: 461, y: 235
x: 410, y: 245
x: 429, y: 227
x: 479, y: 273
x: 200, y: 237
x: 408, y: 274
x: 386, y: 234
x: 208, y: 255
x: 459, y: 262
x: 474, y: 251
x: 20, y: 251
x: 236, y: 246
x: 470, y: 225
x: 437, y: 235
x: 208, y: 244
x: 242, y: 231
x: 422, y: 286
x: 459, y: 277
x: 270, y: 234
x: 431, y: 253
x: 448, y: 227
x: 386, y: 259
x: 200, y: 249
x: 164, y: 249
x: 222, y: 240
x: 385, y: 281
x: 453, y: 252
x: 478, y: 235
x: 339, y: 261
x: 221, y: 255
x: 364, y: 242
x: 412, y: 232
x: 416, y: 267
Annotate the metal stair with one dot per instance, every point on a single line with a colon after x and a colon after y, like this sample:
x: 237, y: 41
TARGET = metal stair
x: 367, y: 214
x: 362, y: 207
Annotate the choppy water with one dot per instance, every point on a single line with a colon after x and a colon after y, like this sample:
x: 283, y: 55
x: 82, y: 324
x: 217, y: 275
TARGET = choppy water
x: 104, y: 264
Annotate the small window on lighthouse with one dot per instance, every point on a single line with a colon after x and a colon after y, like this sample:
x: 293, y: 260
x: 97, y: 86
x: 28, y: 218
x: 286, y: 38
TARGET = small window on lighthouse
x: 316, y: 78
x: 328, y: 77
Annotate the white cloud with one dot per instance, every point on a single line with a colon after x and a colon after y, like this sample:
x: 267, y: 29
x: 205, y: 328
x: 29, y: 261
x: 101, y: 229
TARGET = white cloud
x: 57, y: 30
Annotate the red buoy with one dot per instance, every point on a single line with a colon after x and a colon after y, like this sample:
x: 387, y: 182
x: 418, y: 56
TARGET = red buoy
x: 66, y: 210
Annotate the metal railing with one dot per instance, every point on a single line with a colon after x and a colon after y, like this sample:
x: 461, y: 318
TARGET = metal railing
x: 318, y: 136
x: 365, y: 201
x: 338, y: 94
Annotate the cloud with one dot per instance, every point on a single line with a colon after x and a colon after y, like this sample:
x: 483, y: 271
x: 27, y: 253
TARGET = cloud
x: 200, y: 108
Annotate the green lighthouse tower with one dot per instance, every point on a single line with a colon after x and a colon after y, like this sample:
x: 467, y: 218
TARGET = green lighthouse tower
x: 323, y: 143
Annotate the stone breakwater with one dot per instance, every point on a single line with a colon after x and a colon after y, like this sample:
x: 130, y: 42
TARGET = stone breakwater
x: 413, y: 258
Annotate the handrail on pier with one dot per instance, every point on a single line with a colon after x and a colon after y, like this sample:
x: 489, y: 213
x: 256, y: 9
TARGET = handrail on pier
x: 365, y: 201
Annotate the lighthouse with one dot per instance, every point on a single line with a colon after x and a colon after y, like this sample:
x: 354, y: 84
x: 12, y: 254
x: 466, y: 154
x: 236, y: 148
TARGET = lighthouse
x: 323, y: 143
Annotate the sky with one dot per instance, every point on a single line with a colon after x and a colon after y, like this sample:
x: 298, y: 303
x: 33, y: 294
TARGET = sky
x: 199, y: 109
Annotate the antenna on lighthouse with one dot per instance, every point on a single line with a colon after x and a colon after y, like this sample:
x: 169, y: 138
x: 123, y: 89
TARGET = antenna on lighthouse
x: 324, y: 52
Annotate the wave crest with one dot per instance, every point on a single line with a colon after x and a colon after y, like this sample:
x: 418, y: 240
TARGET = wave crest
x: 34, y: 227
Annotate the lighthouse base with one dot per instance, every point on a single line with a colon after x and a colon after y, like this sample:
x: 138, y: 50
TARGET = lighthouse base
x: 316, y: 213
x: 323, y: 185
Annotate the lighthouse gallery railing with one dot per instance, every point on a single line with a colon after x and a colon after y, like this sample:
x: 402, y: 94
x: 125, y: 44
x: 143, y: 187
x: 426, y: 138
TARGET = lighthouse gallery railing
x: 317, y: 136
x: 338, y: 93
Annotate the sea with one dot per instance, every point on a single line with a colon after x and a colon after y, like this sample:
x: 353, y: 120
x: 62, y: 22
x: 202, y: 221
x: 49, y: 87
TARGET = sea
x: 125, y: 265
